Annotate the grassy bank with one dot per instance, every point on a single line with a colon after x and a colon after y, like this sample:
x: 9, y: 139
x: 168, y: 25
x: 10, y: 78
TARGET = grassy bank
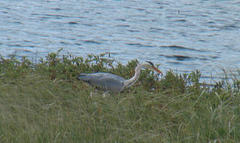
x: 44, y: 102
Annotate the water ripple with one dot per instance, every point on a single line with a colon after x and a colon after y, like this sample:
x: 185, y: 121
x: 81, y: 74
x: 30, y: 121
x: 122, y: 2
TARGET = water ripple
x: 176, y: 47
x: 92, y: 42
x: 182, y: 35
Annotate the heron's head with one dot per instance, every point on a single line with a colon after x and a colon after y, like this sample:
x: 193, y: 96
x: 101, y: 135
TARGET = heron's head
x: 151, y: 66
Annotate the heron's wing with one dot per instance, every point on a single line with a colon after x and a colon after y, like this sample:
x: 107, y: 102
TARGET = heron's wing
x: 99, y: 75
x: 106, y: 81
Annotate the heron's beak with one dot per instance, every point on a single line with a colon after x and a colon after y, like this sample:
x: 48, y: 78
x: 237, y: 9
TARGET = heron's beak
x: 157, y: 70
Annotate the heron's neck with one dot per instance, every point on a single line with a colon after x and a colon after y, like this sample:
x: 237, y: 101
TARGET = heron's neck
x: 132, y: 80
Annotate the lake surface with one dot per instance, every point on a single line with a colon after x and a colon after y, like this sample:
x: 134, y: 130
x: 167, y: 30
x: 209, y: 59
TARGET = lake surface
x: 179, y: 35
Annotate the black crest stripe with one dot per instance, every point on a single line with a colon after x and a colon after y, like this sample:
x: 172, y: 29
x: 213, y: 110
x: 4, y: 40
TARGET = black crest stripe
x: 150, y: 63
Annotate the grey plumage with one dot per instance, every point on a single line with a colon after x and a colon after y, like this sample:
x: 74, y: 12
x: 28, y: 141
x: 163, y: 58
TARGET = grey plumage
x: 112, y: 82
x: 106, y: 81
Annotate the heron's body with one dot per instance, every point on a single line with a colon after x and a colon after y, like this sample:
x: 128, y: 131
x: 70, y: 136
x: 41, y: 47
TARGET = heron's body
x: 112, y: 82
x: 106, y: 81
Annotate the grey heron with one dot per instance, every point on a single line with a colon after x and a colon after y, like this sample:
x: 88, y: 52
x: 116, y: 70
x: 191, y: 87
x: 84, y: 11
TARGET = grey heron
x: 112, y: 82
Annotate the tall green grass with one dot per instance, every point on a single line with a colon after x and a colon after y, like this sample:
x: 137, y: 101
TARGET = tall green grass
x: 44, y: 102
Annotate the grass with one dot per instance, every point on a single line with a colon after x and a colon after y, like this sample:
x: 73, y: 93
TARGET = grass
x: 44, y: 102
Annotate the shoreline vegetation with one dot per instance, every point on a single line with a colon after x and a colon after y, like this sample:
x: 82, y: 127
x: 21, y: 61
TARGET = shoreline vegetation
x: 44, y: 102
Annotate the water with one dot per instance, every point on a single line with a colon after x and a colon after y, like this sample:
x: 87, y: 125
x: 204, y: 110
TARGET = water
x: 179, y: 35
